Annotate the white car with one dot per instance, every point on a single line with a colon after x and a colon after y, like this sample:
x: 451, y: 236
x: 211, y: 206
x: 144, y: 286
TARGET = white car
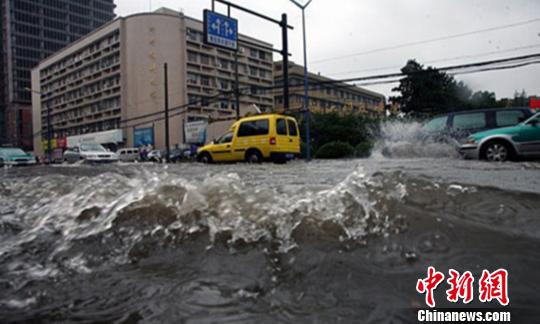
x: 90, y: 153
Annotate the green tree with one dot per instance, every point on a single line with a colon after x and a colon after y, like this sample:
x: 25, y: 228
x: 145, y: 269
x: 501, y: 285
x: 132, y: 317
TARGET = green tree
x: 520, y: 99
x: 484, y: 99
x: 429, y: 91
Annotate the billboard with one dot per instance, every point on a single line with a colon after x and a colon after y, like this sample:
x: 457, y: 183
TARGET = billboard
x: 143, y: 136
x: 195, y: 132
x: 106, y: 137
x: 534, y: 103
x: 220, y: 30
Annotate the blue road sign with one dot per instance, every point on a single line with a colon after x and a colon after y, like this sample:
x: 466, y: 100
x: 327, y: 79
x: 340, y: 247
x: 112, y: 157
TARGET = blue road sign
x: 220, y: 30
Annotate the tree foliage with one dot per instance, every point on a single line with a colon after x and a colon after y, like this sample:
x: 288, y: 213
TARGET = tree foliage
x: 428, y: 91
x: 425, y: 90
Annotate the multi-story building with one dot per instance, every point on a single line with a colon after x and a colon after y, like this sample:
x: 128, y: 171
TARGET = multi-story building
x: 31, y: 31
x: 111, y: 82
x: 325, y: 94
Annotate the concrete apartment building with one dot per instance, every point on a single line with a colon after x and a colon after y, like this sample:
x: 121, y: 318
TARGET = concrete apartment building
x: 335, y: 97
x: 110, y: 84
x: 31, y: 31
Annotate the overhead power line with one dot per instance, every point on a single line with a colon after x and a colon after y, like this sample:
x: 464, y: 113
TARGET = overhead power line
x: 486, y: 69
x: 425, y: 41
x: 444, y: 69
x: 393, y: 67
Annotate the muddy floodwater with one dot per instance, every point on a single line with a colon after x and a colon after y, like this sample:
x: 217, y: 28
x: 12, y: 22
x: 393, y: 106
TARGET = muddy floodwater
x: 329, y: 241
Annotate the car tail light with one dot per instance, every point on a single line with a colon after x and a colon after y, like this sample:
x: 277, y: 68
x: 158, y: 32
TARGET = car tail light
x: 272, y: 141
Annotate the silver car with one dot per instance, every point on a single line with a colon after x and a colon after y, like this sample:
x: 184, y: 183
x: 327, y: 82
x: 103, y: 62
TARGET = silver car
x: 93, y: 153
x: 128, y: 154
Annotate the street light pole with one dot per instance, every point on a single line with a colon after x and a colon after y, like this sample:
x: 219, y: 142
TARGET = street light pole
x: 307, y: 115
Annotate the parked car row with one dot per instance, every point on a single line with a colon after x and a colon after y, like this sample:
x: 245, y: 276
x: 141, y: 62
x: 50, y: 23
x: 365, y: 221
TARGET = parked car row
x: 490, y: 134
x: 95, y: 153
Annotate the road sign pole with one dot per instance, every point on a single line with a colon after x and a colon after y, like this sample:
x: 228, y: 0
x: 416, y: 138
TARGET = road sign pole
x: 215, y: 35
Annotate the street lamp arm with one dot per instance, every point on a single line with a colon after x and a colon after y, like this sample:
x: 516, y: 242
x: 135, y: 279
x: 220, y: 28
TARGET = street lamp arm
x: 299, y: 5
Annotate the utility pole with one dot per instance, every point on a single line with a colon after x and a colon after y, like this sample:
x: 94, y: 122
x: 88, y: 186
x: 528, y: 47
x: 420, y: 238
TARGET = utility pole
x: 307, y: 114
x: 236, y: 86
x: 285, y: 53
x: 166, y: 86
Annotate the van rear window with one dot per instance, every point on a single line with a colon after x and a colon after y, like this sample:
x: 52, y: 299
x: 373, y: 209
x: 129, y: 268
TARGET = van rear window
x: 253, y: 128
x: 470, y: 121
x: 292, y: 128
x: 509, y: 117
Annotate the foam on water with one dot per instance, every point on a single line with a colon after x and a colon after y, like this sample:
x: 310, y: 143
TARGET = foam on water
x: 112, y: 206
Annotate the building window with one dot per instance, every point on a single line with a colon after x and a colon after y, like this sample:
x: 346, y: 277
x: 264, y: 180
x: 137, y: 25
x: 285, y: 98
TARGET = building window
x: 205, y: 59
x: 205, y: 81
x: 194, y: 100
x: 192, y: 78
x: 223, y: 84
x: 205, y: 102
x: 223, y: 64
x: 223, y: 104
x: 253, y: 71
x: 192, y: 35
x: 192, y: 56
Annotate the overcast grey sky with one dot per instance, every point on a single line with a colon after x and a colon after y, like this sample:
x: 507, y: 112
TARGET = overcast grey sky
x: 344, y: 27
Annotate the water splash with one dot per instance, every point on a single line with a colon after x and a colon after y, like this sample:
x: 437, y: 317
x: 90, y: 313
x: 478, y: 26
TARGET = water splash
x: 405, y: 139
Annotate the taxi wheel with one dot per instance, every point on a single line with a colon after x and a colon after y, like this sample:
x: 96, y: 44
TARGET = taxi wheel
x: 253, y: 156
x: 205, y: 158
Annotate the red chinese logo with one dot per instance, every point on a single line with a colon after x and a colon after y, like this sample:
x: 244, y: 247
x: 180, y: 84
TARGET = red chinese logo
x: 494, y: 285
x: 429, y: 284
x: 461, y: 286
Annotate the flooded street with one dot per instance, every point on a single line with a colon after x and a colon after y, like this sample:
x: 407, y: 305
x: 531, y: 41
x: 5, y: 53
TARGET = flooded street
x: 336, y: 241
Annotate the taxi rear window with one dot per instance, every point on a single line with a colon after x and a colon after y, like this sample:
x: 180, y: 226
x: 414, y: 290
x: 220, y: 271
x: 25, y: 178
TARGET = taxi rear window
x: 292, y: 128
x: 281, y: 127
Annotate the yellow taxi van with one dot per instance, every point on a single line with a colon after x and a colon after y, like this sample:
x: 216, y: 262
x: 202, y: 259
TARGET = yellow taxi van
x: 270, y: 137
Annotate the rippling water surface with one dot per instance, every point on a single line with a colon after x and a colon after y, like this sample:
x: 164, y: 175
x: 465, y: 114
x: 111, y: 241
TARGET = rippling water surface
x: 330, y: 241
